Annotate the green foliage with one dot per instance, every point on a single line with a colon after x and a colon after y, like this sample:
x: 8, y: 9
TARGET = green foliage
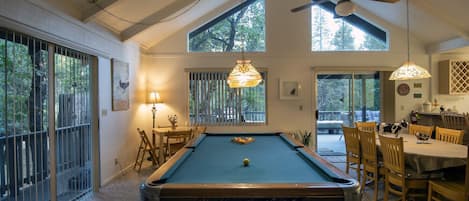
x: 304, y: 136
x: 243, y: 28
x: 343, y: 39
x: 371, y: 43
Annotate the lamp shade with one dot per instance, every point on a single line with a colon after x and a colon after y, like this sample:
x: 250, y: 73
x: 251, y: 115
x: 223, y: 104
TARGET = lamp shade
x: 345, y: 8
x: 154, y: 97
x: 409, y: 71
x: 244, y: 75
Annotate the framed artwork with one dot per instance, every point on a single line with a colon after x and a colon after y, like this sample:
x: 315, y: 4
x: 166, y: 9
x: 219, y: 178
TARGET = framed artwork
x: 290, y: 90
x: 120, y: 85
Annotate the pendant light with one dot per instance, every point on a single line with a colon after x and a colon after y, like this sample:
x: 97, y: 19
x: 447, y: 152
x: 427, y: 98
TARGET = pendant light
x: 409, y: 70
x: 244, y: 74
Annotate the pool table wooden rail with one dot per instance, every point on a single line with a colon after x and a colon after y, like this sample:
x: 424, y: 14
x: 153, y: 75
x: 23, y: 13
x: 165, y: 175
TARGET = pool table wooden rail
x: 160, y: 190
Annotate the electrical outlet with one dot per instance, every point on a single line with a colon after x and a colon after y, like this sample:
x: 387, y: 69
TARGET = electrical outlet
x: 116, y: 161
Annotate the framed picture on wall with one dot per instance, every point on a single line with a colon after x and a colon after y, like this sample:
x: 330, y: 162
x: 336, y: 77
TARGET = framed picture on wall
x: 289, y: 90
x: 120, y: 85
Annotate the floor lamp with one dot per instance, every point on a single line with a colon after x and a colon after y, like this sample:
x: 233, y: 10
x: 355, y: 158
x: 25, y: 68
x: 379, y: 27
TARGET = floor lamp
x: 154, y: 100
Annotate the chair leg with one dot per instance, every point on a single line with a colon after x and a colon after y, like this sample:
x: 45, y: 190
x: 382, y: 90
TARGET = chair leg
x: 386, y: 188
x: 347, y: 165
x: 376, y: 180
x: 429, y: 197
x: 138, y: 154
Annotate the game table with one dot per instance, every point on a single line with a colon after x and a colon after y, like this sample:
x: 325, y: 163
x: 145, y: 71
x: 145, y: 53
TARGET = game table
x: 212, y: 167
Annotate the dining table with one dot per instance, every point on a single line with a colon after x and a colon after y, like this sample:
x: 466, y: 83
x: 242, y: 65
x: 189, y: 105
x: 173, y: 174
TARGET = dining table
x: 430, y: 155
x: 164, y: 132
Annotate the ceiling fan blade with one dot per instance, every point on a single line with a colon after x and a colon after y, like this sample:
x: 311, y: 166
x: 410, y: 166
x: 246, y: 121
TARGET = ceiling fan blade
x: 312, y: 3
x: 387, y: 1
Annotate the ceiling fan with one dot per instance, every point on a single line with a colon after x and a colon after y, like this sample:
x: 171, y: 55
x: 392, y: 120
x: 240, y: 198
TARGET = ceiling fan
x: 343, y: 7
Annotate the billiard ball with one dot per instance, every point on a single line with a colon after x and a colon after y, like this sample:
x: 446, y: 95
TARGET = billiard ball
x: 246, y: 161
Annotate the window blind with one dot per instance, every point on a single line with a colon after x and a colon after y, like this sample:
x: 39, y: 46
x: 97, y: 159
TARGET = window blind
x: 212, y: 102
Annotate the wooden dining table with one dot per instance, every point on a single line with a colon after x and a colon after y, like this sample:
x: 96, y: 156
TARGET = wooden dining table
x: 432, y: 155
x: 162, y: 132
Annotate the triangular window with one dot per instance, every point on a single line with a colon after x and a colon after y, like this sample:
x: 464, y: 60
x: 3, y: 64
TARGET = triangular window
x: 351, y: 33
x: 241, y: 28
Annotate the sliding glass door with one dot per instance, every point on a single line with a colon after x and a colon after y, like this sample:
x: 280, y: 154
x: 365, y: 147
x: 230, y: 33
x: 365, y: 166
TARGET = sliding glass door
x: 45, y: 124
x: 341, y: 100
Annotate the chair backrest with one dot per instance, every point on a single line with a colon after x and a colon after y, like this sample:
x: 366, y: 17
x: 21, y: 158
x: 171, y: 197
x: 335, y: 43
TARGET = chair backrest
x: 198, y: 130
x: 352, y: 141
x: 366, y: 126
x: 467, y: 176
x: 453, y: 120
x: 414, y: 129
x: 368, y: 147
x: 449, y: 135
x: 466, y: 117
x: 393, y: 154
x: 144, y: 137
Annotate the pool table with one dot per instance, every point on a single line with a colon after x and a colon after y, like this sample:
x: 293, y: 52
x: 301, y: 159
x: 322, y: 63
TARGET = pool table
x: 211, y: 167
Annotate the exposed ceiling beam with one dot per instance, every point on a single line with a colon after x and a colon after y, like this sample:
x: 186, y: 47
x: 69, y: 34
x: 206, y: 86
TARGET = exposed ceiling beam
x: 155, y: 18
x: 97, y: 7
x: 427, y: 8
x: 446, y: 46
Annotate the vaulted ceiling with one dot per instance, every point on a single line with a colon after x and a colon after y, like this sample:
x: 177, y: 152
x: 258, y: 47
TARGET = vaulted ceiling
x: 440, y: 25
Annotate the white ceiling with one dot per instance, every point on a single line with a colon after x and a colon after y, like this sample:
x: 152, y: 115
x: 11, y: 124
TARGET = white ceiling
x: 435, y: 22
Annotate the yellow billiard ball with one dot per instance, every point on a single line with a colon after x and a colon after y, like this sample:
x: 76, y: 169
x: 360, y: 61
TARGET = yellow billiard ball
x: 246, y: 161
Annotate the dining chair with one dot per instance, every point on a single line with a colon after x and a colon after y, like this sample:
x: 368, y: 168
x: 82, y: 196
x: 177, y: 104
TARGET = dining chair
x: 452, y: 190
x: 144, y: 147
x: 176, y: 140
x: 352, y: 149
x: 453, y: 120
x: 366, y: 126
x: 449, y: 135
x: 397, y: 180
x: 372, y: 167
x: 414, y: 129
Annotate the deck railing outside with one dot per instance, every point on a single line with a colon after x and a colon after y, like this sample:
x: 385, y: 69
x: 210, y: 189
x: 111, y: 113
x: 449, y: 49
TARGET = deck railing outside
x: 24, y: 168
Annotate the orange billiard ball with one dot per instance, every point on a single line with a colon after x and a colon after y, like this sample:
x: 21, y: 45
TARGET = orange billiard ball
x: 246, y: 161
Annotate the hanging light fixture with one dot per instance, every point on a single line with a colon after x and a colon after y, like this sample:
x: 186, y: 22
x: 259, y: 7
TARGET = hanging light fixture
x: 409, y: 70
x: 345, y: 8
x: 244, y: 74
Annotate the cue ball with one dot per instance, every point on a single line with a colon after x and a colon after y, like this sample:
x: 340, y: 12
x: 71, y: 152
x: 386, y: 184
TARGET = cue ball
x: 246, y: 161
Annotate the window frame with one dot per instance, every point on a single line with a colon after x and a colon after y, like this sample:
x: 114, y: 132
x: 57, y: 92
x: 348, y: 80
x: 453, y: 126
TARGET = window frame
x: 358, y: 22
x: 261, y: 70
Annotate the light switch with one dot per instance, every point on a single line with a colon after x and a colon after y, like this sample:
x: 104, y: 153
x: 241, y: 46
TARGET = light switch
x: 104, y: 112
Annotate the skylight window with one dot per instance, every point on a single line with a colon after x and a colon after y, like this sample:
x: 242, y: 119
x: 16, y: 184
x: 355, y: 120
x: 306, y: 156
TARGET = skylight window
x: 241, y: 28
x: 350, y: 33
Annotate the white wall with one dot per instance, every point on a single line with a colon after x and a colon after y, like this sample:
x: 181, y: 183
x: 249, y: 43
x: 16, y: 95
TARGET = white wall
x: 460, y: 102
x: 118, y: 137
x: 288, y: 57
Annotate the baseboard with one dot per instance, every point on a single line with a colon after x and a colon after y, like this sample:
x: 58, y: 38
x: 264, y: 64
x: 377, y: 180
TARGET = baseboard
x: 118, y: 174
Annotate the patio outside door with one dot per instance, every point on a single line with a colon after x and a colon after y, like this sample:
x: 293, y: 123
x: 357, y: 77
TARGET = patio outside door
x: 341, y: 100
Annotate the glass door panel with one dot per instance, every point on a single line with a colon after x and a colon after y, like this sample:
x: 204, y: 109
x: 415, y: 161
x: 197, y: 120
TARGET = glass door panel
x: 343, y: 99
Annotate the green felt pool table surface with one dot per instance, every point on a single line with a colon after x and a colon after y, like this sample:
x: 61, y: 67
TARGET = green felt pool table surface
x: 213, y: 164
x: 272, y: 160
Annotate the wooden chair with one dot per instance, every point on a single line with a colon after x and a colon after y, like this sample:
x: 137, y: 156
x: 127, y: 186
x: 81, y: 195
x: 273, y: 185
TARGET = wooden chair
x: 397, y: 180
x: 145, y: 146
x: 176, y: 140
x: 449, y: 135
x: 414, y: 128
x: 198, y: 130
x: 352, y: 149
x: 366, y: 126
x: 453, y: 120
x: 372, y: 168
x: 452, y: 190
x: 466, y: 117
